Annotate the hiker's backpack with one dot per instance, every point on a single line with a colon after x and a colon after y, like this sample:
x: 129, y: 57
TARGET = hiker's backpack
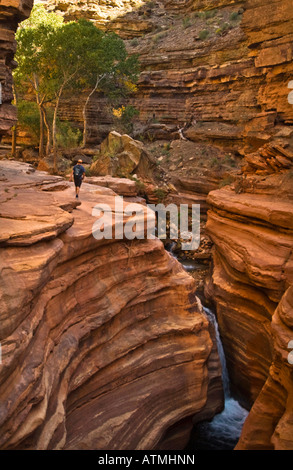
x: 77, y: 171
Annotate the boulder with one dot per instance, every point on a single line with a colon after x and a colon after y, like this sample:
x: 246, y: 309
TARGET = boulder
x: 120, y: 155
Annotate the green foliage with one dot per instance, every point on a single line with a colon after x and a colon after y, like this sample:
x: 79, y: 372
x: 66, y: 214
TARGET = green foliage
x: 204, y: 34
x: 186, y: 22
x: 129, y: 113
x: 34, y: 37
x: 107, y: 63
x: 235, y: 16
x: 215, y: 162
x: 139, y: 185
x: 54, y: 56
x: 159, y: 36
x: 223, y: 28
x: 160, y: 193
x: 134, y: 42
x: 67, y: 136
x: 229, y: 160
x: 151, y: 4
x: 29, y: 117
x: 206, y: 14
x: 211, y: 13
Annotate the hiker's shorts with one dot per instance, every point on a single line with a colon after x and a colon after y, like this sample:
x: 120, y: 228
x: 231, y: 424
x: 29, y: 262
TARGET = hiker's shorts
x: 77, y: 182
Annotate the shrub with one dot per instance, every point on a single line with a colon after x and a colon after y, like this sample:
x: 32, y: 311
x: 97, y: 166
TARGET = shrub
x: 186, y: 22
x: 215, y: 162
x: 235, y: 16
x: 223, y: 28
x: 211, y: 13
x: 226, y: 181
x: 203, y: 34
x: 134, y: 42
x: 160, y: 194
x: 206, y: 14
x: 67, y: 136
x: 29, y: 117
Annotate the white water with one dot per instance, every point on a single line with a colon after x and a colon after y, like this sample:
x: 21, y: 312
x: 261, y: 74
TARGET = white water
x: 224, y: 430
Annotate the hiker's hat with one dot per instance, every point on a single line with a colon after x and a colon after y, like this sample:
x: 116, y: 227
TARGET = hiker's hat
x: 79, y: 161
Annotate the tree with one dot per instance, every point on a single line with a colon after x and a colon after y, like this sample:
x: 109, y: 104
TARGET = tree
x: 67, y: 64
x: 109, y: 69
x: 54, y: 56
x: 34, y: 37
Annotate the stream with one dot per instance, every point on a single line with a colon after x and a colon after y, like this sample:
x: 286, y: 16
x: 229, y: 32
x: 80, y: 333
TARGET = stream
x: 223, y: 431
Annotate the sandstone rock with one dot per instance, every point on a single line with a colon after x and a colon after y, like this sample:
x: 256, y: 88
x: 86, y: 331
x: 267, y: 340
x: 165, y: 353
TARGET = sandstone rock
x: 234, y: 86
x: 251, y: 285
x: 121, y: 186
x: 269, y: 424
x: 269, y: 158
x: 104, y: 344
x: 11, y: 12
x: 120, y: 155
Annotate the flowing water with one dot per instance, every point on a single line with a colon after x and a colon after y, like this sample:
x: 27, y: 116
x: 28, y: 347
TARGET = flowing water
x: 223, y: 432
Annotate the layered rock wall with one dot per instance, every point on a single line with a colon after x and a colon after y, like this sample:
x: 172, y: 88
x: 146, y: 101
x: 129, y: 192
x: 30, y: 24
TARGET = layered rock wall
x: 220, y: 70
x: 11, y: 13
x: 234, y: 84
x: 104, y: 344
x: 251, y: 285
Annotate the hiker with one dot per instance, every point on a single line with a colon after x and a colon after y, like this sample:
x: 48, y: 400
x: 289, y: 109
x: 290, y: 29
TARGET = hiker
x: 78, y: 173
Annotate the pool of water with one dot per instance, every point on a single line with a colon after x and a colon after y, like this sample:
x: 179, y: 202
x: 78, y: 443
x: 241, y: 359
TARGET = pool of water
x: 223, y: 431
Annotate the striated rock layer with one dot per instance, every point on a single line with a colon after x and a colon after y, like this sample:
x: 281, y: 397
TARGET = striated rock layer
x: 233, y: 84
x: 104, y: 343
x: 220, y: 70
x: 11, y: 13
x: 251, y: 285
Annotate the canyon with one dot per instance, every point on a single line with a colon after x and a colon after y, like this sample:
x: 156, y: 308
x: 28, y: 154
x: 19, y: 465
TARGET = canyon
x: 104, y: 343
x: 142, y: 377
x: 251, y: 285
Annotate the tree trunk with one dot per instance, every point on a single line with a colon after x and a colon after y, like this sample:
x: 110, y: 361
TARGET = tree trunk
x: 40, y: 104
x: 41, y: 141
x: 14, y: 128
x: 13, y: 140
x: 47, y: 125
x: 85, y: 122
x: 54, y: 128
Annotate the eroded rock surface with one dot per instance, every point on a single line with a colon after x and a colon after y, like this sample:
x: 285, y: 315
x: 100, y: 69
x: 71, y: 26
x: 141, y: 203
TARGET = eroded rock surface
x: 217, y: 70
x: 251, y: 285
x: 104, y: 344
x: 11, y: 13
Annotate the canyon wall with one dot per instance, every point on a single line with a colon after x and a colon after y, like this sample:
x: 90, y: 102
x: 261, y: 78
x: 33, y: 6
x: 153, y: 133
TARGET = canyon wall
x: 251, y: 226
x: 218, y: 69
x: 11, y: 13
x: 232, y: 85
x: 104, y: 343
